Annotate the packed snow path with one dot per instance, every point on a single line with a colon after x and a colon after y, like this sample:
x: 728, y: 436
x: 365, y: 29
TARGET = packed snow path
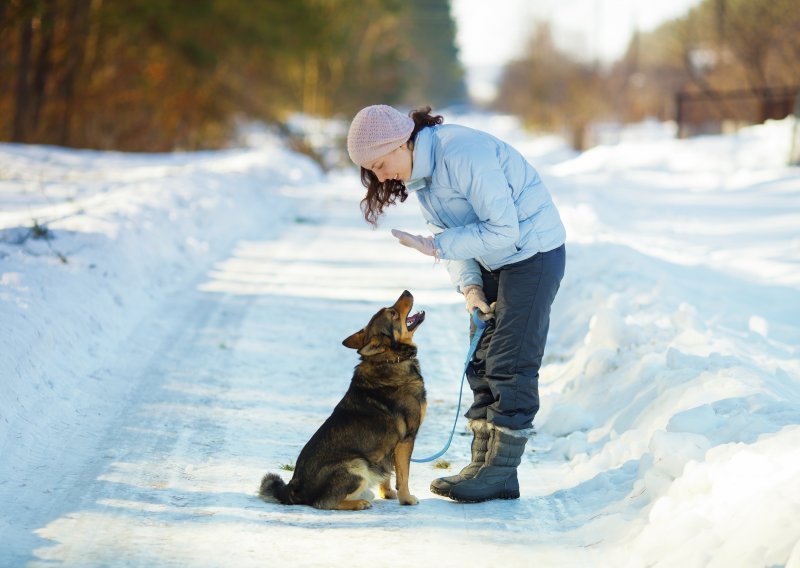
x: 193, y: 343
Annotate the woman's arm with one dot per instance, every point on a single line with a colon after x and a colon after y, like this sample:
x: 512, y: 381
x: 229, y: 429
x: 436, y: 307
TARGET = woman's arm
x: 486, y: 188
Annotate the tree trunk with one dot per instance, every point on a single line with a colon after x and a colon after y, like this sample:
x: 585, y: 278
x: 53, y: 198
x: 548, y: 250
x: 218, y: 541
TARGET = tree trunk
x: 19, y: 131
x: 310, y: 84
x: 78, y: 28
x: 43, y: 64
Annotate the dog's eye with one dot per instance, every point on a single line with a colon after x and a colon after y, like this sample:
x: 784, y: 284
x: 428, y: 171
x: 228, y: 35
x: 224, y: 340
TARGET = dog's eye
x: 394, y: 314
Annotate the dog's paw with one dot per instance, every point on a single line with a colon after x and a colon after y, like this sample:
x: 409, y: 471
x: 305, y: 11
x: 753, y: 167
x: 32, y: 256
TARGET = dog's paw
x: 408, y: 500
x: 353, y: 505
x: 388, y: 493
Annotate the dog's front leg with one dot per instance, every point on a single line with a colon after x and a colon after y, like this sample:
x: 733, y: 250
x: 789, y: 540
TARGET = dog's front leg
x: 402, y: 463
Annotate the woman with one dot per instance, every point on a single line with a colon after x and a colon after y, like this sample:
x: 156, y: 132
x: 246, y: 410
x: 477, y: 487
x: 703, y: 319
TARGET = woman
x: 497, y: 229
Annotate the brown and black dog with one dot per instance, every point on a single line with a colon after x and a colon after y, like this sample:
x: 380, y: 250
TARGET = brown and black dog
x: 372, y: 429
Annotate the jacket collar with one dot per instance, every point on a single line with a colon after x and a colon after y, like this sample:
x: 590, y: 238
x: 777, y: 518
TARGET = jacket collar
x: 422, y: 169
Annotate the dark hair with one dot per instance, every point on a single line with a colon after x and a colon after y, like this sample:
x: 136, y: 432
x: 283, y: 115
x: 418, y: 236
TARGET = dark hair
x: 380, y: 195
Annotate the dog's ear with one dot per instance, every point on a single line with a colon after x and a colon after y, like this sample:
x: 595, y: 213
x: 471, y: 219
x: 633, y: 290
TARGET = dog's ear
x: 355, y: 341
x: 375, y: 346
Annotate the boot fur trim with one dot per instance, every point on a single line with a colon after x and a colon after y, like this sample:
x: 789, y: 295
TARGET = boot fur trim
x: 524, y: 433
x: 478, y: 425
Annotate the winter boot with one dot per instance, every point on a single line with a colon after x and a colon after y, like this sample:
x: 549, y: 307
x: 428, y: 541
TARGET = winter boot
x: 480, y: 442
x: 497, y: 479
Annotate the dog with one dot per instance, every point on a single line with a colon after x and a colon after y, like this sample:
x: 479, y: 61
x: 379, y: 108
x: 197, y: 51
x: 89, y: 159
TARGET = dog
x: 371, y: 430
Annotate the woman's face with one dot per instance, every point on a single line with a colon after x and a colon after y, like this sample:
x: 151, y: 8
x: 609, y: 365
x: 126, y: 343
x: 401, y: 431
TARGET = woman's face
x: 395, y: 165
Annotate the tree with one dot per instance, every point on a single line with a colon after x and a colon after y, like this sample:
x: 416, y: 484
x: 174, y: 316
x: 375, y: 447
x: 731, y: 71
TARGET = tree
x: 720, y: 45
x: 156, y: 75
x: 431, y: 55
x: 551, y: 90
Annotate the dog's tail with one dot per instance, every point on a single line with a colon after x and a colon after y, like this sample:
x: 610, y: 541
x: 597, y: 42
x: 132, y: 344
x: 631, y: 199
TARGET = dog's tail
x: 275, y: 490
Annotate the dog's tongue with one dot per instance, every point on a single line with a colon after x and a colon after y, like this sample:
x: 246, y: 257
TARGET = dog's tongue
x: 415, y: 320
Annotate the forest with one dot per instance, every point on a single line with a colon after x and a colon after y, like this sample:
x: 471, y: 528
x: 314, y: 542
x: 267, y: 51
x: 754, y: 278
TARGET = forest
x: 159, y: 75
x: 750, y: 48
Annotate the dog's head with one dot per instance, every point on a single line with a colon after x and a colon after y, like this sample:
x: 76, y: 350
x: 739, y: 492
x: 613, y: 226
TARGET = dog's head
x: 387, y: 328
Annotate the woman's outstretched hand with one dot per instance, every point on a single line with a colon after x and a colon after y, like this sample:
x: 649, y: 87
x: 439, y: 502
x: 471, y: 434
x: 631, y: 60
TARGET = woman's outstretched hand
x: 424, y: 245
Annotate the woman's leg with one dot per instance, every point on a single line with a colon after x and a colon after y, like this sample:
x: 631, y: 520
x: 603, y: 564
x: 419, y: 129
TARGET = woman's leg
x: 476, y: 369
x: 510, y: 363
x: 525, y: 292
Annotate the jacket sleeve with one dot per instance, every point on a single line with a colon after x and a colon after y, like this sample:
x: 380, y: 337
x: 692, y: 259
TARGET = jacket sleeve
x: 464, y: 273
x: 480, y: 178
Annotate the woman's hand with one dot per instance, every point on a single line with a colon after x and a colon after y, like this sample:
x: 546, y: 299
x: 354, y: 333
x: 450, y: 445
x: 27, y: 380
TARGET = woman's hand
x: 424, y: 245
x: 475, y: 298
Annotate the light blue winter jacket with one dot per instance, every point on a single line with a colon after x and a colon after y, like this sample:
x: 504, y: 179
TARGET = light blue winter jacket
x: 483, y: 201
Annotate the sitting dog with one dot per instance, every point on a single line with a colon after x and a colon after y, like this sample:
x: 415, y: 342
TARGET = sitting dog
x: 372, y: 429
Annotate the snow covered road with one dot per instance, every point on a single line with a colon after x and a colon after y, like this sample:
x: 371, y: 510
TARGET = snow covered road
x: 232, y: 375
x: 193, y: 342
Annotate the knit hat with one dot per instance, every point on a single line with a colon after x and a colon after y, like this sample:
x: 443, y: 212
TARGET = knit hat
x: 375, y: 131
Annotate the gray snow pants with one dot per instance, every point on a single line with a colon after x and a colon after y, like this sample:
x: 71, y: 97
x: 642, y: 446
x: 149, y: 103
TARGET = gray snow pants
x: 504, y: 372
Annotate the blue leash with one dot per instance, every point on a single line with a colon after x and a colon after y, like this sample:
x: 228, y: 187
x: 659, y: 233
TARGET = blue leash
x: 479, y: 327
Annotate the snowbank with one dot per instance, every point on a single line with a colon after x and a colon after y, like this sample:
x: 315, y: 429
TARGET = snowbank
x: 123, y: 232
x: 675, y: 352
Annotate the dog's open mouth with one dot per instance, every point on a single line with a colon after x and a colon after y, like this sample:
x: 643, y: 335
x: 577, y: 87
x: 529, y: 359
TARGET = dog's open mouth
x: 414, y: 320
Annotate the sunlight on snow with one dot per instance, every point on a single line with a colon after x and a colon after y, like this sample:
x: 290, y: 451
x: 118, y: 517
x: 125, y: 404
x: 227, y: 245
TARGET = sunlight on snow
x: 264, y: 268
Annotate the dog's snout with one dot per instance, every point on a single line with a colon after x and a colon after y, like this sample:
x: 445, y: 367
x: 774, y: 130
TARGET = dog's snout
x: 404, y: 302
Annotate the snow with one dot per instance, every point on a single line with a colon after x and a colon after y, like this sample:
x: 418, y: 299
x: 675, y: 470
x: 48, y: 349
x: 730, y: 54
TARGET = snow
x: 179, y: 335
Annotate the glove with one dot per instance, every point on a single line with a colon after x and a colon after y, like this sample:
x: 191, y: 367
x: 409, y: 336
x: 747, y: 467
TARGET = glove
x: 475, y: 298
x: 422, y: 244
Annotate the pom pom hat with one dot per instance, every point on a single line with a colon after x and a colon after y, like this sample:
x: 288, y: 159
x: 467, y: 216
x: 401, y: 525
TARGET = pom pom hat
x: 375, y: 131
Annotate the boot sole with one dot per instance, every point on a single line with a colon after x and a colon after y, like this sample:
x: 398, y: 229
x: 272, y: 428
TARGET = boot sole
x: 503, y: 495
x: 442, y: 492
